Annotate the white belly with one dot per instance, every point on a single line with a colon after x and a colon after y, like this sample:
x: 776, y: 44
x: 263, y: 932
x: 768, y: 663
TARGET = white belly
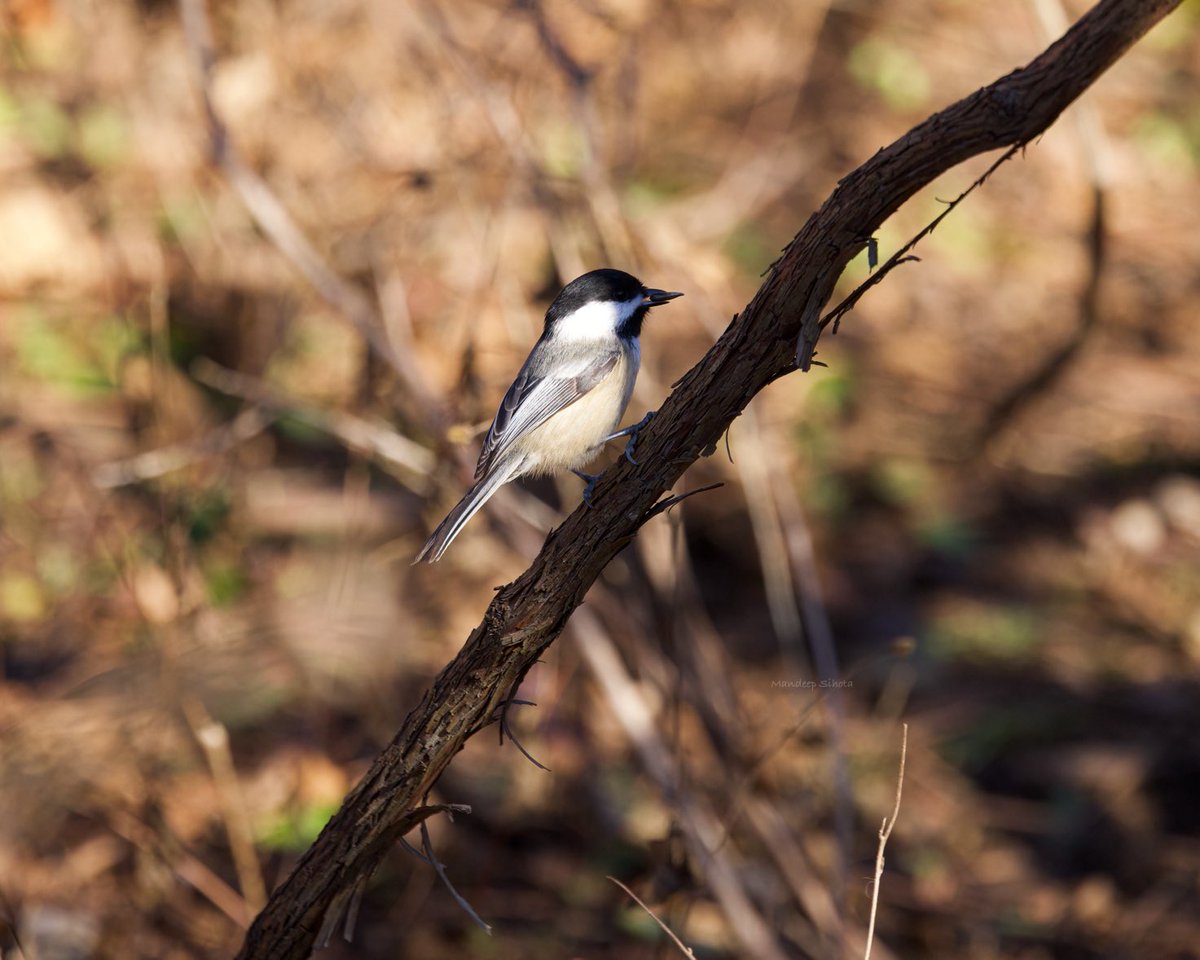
x: 573, y: 436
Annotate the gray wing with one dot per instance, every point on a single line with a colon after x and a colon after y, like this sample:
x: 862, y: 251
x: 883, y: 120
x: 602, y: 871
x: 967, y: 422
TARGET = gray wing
x: 538, y: 394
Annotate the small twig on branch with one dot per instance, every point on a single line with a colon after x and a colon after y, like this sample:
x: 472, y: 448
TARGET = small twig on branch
x: 415, y: 852
x: 683, y: 947
x: 440, y: 869
x: 851, y: 301
x: 668, y: 502
x: 348, y: 901
x: 808, y: 336
x: 506, y: 731
x: 885, y: 832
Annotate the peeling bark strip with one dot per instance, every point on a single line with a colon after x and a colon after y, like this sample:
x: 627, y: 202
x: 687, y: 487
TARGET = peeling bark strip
x: 758, y: 346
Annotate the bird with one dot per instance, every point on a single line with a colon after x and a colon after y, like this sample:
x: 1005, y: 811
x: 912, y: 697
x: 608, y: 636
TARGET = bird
x: 568, y: 396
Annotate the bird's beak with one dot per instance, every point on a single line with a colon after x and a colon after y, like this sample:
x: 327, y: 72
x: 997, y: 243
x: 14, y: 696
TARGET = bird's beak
x: 656, y: 297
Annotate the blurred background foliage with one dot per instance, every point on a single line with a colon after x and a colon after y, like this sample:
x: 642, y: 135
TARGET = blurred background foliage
x: 211, y: 488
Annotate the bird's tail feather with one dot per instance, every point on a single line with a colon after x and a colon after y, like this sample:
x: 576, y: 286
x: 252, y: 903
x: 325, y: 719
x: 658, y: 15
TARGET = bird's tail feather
x: 456, y: 519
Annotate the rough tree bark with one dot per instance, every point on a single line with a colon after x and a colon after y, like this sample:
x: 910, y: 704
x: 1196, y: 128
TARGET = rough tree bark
x: 758, y: 347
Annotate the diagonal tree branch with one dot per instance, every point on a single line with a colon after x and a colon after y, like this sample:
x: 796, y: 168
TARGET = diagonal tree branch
x: 759, y: 346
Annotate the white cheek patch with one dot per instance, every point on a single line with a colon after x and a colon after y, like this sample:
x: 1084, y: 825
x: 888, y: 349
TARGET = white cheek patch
x: 598, y: 320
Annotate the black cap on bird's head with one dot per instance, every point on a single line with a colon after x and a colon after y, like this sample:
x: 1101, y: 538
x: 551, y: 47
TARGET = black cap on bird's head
x: 627, y: 299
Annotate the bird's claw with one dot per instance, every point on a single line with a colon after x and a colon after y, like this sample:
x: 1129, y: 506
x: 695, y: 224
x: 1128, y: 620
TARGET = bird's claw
x: 589, y: 481
x: 632, y: 434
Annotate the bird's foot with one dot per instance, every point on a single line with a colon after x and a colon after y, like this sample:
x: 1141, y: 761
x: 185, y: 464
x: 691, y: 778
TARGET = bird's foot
x: 632, y: 434
x: 589, y: 480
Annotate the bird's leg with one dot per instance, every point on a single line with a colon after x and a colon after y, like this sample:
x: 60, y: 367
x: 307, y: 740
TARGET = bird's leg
x: 632, y: 434
x: 589, y: 480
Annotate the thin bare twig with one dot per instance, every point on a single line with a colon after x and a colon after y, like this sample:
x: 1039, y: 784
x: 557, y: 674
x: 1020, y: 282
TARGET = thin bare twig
x: 811, y: 328
x: 683, y: 947
x: 440, y: 869
x: 214, y: 741
x: 506, y: 730
x: 668, y: 502
x: 885, y: 831
x: 415, y: 852
x: 349, y: 900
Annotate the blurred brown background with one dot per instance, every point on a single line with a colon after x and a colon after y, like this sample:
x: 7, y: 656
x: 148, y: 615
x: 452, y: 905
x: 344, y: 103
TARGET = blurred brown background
x: 983, y: 516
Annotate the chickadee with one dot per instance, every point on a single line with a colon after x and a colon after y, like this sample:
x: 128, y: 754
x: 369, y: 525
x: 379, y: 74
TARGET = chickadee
x: 568, y: 397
